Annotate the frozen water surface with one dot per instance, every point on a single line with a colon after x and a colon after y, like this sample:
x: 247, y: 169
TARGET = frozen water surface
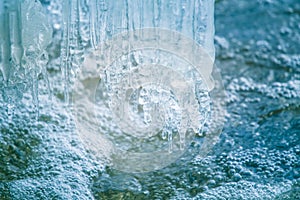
x: 256, y: 157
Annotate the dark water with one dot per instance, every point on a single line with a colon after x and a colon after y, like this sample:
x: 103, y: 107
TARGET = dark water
x: 257, y: 156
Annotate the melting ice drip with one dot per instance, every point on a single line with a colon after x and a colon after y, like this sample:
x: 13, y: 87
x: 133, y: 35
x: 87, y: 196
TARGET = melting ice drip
x: 153, y: 91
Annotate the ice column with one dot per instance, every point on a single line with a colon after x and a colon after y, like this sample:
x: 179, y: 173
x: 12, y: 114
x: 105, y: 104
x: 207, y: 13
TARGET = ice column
x: 145, y: 79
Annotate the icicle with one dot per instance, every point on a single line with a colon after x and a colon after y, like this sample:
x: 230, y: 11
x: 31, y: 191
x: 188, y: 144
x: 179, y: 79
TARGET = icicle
x: 42, y: 62
x: 98, y: 22
x: 35, y: 91
x: 65, y: 58
x: 170, y: 141
x: 16, y: 34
